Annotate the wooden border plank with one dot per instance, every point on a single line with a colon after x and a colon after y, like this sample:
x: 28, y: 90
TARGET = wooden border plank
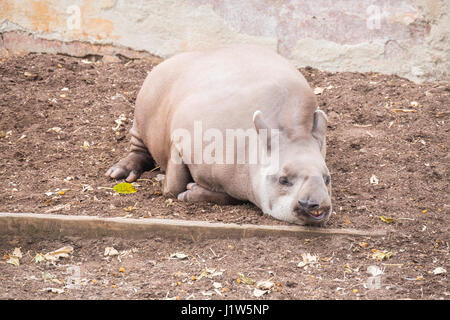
x: 51, y: 226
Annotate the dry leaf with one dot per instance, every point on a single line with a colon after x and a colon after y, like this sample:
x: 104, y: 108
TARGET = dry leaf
x: 119, y: 121
x: 246, y: 280
x: 63, y: 252
x: 17, y: 253
x: 55, y: 130
x: 86, y: 187
x: 403, y: 110
x: 259, y: 293
x: 59, y: 207
x: 178, y: 255
x: 130, y: 208
x: 307, y: 259
x: 381, y: 255
x: 363, y: 244
x: 39, y: 257
x: 110, y: 251
x: 14, y: 261
x: 209, y: 273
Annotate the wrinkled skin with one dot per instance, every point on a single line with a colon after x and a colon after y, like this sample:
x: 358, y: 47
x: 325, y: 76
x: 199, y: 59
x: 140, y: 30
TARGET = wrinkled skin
x: 260, y: 90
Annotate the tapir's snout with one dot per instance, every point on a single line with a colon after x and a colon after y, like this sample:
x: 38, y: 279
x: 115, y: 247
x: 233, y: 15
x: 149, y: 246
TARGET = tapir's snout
x: 313, y: 211
x: 309, y: 205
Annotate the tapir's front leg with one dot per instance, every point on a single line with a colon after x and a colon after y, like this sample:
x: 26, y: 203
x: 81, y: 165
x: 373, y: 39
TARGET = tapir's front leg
x: 135, y: 163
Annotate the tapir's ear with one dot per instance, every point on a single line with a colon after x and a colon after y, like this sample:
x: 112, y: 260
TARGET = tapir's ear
x: 319, y: 129
x: 259, y: 122
x: 261, y: 127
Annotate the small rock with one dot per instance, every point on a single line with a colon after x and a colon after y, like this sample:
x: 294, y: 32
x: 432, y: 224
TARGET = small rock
x: 318, y: 90
x: 30, y: 76
x: 265, y: 285
x: 439, y: 270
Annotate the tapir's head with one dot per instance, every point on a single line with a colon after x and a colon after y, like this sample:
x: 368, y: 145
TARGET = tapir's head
x: 297, y: 187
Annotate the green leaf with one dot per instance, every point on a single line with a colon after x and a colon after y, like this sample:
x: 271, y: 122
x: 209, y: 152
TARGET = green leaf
x: 387, y: 220
x: 124, y: 188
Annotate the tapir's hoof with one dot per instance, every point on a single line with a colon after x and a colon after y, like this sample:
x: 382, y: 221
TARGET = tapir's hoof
x: 117, y: 172
x: 129, y: 168
x: 186, y: 195
x: 182, y: 196
x: 196, y: 193
x: 191, y: 186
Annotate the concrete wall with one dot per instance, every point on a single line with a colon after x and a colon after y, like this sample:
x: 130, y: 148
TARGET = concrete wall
x: 408, y: 38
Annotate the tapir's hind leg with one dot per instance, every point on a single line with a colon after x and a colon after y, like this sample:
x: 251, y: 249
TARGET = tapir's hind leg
x: 135, y: 163
x: 196, y: 193
x: 176, y: 177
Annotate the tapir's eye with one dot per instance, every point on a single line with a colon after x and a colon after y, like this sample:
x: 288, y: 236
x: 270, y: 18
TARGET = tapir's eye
x: 327, y: 179
x: 285, y: 181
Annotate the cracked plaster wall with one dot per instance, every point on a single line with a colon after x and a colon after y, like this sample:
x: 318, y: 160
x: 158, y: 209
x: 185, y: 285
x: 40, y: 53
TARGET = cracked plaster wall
x: 408, y: 38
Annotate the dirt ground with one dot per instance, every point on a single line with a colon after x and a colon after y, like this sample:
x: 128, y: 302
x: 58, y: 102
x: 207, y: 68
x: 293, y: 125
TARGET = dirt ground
x: 388, y: 141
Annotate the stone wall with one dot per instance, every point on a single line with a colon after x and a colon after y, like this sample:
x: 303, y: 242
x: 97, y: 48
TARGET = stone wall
x: 408, y: 38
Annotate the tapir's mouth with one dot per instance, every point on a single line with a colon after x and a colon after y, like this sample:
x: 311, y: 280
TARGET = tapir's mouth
x: 314, y: 216
x: 317, y: 214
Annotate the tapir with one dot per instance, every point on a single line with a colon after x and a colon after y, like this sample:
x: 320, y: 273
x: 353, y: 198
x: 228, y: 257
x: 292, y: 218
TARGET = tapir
x: 246, y: 88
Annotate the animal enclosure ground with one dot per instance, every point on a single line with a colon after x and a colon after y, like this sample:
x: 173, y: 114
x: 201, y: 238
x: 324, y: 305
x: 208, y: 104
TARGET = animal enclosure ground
x: 64, y: 121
